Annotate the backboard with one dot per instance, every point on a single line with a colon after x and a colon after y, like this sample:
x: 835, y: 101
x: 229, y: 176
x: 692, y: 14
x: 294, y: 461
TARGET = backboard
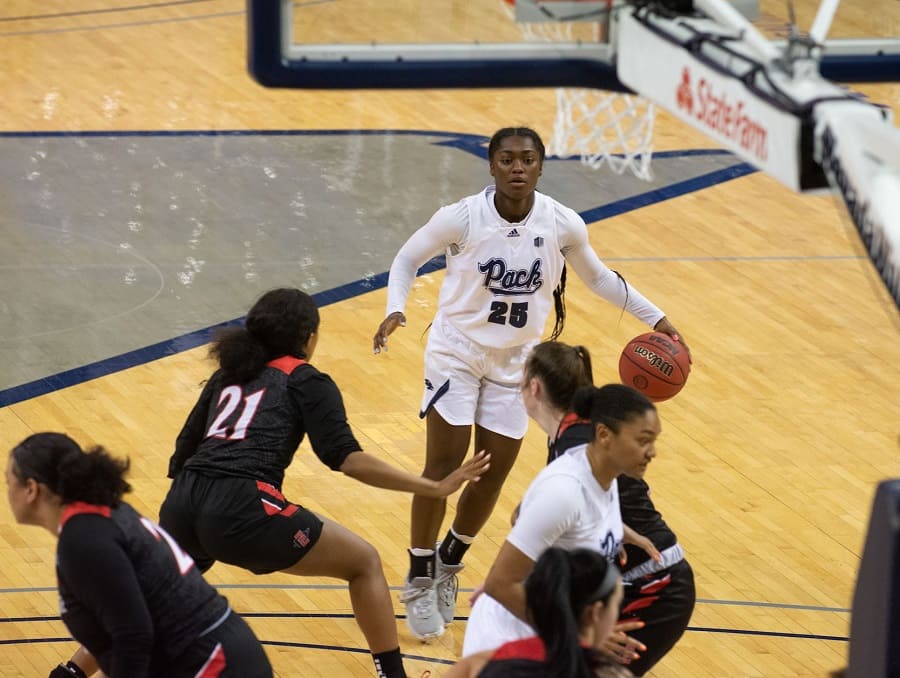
x: 481, y: 43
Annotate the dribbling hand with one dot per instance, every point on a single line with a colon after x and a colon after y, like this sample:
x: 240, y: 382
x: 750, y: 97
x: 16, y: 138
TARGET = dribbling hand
x: 666, y: 327
x: 388, y: 325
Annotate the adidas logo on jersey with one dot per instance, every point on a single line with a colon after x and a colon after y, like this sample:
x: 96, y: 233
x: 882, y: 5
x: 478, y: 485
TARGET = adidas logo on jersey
x: 513, y: 234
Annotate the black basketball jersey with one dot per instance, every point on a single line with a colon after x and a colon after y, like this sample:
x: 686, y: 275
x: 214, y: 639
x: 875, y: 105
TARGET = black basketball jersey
x: 637, y: 508
x: 127, y: 592
x: 252, y: 430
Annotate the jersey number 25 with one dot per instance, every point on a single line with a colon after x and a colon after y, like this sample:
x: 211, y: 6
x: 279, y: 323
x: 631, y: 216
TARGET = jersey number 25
x: 515, y: 314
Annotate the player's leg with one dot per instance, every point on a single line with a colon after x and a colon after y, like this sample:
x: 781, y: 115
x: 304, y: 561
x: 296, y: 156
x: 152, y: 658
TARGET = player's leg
x: 500, y: 425
x: 477, y: 501
x: 178, y: 513
x: 452, y: 384
x: 340, y: 553
x: 664, y: 602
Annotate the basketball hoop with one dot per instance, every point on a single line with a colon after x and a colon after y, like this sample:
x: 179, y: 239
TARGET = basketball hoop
x: 600, y: 127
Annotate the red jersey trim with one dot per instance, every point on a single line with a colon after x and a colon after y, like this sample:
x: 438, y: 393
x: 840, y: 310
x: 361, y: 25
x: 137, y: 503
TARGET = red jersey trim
x: 79, y: 507
x: 286, y: 363
x: 524, y: 648
x: 569, y: 420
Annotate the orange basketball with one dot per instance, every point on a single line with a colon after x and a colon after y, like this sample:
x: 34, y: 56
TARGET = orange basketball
x: 654, y: 364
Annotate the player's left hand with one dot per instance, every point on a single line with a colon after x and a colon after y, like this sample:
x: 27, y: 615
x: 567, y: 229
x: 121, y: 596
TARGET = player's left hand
x: 639, y: 540
x: 666, y: 327
x: 620, y: 646
x: 470, y: 471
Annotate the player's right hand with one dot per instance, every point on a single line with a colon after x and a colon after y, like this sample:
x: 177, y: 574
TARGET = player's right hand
x: 388, y: 325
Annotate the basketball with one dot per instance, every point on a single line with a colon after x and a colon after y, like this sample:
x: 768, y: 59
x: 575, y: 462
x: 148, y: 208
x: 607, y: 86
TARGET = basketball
x: 654, y: 364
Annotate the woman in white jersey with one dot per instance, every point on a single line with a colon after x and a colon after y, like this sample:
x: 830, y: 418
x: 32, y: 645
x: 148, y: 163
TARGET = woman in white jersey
x: 572, y: 503
x: 506, y: 249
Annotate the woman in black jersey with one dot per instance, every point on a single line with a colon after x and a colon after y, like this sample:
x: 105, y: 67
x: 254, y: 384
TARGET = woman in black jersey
x: 127, y: 592
x: 573, y: 599
x: 659, y: 581
x: 230, y: 458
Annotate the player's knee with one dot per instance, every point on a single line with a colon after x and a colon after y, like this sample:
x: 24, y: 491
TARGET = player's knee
x: 367, y: 560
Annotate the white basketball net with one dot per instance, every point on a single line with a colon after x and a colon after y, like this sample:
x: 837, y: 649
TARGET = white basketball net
x: 598, y: 126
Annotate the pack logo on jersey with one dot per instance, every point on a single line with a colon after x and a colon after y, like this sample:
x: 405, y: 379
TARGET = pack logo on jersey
x: 609, y: 547
x: 510, y: 281
x: 513, y: 234
x: 539, y: 242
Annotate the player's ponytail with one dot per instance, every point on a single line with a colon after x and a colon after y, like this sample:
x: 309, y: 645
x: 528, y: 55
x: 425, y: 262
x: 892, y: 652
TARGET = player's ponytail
x: 559, y: 588
x: 280, y: 323
x: 610, y: 405
x: 562, y: 369
x: 57, y: 461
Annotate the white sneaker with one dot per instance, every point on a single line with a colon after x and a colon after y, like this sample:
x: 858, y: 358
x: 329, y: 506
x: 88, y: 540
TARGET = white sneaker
x: 422, y: 615
x: 446, y: 585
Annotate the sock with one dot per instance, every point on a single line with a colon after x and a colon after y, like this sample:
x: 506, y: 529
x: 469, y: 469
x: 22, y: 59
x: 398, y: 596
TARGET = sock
x: 421, y: 563
x: 389, y: 664
x: 454, y: 547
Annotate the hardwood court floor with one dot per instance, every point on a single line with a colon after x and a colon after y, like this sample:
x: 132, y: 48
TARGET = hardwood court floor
x: 768, y: 460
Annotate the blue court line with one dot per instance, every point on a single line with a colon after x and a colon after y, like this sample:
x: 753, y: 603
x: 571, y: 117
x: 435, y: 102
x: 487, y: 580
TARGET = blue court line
x: 340, y: 648
x: 102, y: 10
x: 342, y: 587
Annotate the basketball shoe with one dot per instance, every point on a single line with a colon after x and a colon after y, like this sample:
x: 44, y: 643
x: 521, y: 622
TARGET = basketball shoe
x: 446, y: 585
x: 422, y: 615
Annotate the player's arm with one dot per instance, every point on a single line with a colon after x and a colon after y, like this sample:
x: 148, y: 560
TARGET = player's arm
x: 98, y: 573
x: 447, y: 227
x: 322, y: 409
x: 371, y: 470
x: 606, y: 282
x: 549, y: 509
x: 193, y: 431
x: 469, y: 667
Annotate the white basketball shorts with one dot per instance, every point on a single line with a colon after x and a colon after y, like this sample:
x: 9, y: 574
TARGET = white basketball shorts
x: 468, y: 383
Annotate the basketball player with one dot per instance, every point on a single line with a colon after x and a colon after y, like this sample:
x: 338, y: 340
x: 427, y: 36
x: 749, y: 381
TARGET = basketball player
x: 506, y: 250
x: 228, y: 466
x: 127, y: 592
x: 659, y: 581
x: 573, y: 599
x: 572, y: 503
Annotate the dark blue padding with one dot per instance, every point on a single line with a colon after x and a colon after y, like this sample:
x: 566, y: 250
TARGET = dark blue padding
x: 271, y: 69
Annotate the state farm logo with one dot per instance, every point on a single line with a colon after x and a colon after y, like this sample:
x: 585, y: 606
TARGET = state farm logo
x: 716, y: 112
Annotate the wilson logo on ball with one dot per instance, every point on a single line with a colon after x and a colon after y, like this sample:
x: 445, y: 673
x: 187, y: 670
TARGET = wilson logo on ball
x: 655, y: 361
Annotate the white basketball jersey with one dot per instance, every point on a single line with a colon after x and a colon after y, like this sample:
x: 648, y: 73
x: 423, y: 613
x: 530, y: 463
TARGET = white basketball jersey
x: 499, y: 285
x: 591, y: 519
x: 594, y: 518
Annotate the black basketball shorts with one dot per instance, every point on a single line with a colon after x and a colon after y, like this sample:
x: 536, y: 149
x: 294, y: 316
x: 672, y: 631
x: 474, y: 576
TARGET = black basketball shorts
x: 239, y: 521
